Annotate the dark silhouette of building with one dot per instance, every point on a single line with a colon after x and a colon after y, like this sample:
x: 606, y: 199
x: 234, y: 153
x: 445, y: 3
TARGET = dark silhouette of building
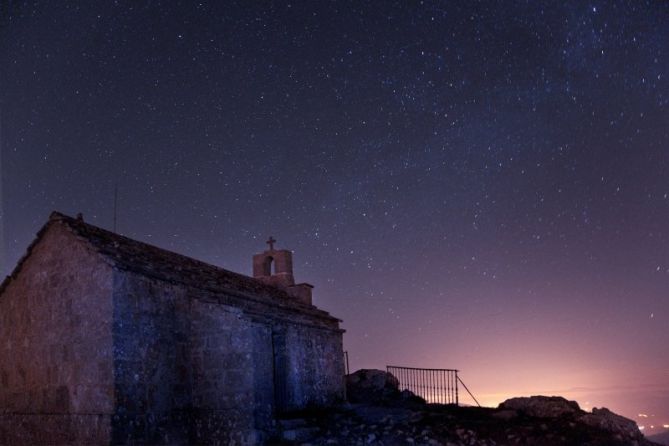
x: 104, y: 339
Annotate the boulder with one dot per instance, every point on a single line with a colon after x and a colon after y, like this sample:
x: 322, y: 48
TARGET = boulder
x: 371, y: 386
x: 605, y: 419
x: 542, y: 406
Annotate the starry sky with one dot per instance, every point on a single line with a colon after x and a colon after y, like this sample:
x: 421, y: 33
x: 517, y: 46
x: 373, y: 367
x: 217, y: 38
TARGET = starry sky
x: 471, y: 185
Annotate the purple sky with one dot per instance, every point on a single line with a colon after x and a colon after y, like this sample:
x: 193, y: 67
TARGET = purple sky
x: 473, y: 185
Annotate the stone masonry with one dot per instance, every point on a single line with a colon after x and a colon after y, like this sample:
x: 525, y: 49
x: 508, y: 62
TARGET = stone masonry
x: 107, y: 340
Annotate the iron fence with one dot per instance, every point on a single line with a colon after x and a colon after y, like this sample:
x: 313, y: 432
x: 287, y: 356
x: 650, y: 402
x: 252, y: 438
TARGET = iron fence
x: 438, y: 386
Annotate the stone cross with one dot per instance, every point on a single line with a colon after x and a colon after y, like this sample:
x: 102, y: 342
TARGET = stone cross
x: 271, y: 243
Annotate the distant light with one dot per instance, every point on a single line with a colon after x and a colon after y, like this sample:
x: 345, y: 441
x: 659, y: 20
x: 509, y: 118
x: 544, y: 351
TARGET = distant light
x: 642, y: 428
x: 643, y: 415
x: 666, y: 426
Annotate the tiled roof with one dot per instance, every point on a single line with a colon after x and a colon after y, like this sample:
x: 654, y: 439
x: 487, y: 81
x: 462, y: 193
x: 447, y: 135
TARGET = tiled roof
x: 151, y: 261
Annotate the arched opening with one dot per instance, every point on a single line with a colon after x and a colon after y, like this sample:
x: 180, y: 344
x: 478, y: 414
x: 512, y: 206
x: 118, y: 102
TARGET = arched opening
x: 268, y: 266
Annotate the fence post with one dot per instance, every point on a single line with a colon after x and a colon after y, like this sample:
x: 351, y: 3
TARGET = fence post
x: 457, y: 400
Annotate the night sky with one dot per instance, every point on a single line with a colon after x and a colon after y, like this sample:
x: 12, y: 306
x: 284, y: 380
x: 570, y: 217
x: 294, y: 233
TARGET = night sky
x: 472, y: 185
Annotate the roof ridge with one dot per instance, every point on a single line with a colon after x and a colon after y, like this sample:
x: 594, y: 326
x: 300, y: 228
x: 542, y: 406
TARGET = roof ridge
x: 74, y: 222
x: 161, y: 264
x: 153, y: 261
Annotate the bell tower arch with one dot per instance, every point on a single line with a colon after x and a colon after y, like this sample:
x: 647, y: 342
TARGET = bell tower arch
x: 275, y: 267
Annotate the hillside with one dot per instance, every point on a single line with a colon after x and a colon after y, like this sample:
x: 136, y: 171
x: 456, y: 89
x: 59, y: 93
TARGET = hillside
x: 379, y: 414
x: 662, y: 438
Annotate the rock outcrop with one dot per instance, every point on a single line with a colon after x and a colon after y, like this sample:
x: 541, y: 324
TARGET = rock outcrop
x: 609, y: 421
x: 376, y: 386
x: 384, y: 415
x: 542, y: 406
x: 371, y: 386
x: 554, y: 407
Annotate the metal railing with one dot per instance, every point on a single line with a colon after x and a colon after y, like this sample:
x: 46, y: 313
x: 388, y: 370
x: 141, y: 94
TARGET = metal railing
x: 439, y: 386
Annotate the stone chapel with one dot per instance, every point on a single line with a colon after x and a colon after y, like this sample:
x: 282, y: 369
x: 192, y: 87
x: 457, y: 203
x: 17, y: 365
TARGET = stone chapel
x: 108, y: 340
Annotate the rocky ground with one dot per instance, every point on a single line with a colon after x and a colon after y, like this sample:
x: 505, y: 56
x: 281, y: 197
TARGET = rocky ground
x: 379, y: 414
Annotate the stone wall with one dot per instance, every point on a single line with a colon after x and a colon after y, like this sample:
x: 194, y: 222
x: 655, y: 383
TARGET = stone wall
x: 94, y: 354
x: 188, y: 369
x: 232, y: 381
x: 56, y: 381
x: 315, y: 365
x: 194, y: 370
x: 148, y: 332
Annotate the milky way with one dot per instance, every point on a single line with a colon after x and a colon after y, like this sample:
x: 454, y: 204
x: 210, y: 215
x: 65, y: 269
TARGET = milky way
x: 474, y: 185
